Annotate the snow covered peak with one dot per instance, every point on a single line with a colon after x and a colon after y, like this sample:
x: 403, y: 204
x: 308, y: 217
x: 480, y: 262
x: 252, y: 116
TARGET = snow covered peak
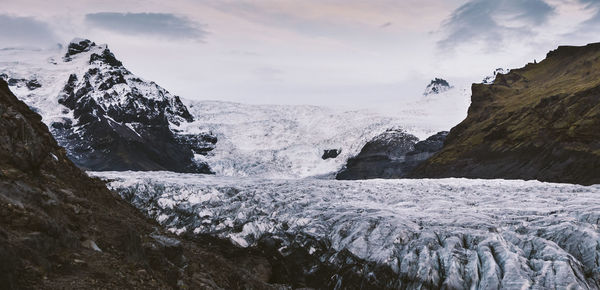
x: 95, y: 54
x: 96, y: 107
x: 437, y: 86
x: 490, y: 79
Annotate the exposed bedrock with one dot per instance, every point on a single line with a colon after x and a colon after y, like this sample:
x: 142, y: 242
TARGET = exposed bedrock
x: 392, y: 154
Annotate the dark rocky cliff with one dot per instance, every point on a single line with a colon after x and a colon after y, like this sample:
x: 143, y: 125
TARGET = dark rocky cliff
x: 60, y: 229
x: 392, y: 154
x: 538, y: 122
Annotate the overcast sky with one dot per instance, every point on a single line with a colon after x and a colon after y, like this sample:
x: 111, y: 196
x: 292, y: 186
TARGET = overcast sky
x: 347, y: 52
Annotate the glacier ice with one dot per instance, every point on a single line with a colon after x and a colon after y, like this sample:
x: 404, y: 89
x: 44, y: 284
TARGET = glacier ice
x: 285, y: 141
x: 452, y: 233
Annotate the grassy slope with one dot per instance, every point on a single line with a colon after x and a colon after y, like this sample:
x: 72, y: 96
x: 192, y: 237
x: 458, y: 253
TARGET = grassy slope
x: 541, y: 121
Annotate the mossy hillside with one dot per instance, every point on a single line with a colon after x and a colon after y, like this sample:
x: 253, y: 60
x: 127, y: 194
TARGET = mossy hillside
x: 537, y: 117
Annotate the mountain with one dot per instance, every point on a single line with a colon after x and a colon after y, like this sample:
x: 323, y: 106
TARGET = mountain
x: 437, y: 86
x: 391, y: 154
x: 110, y: 119
x: 537, y: 122
x: 105, y: 116
x: 61, y: 229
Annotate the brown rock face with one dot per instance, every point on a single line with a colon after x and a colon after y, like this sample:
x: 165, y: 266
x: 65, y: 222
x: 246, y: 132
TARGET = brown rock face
x: 60, y: 229
x: 540, y: 122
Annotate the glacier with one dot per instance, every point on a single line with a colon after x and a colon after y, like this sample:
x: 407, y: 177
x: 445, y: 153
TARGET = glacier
x: 413, y: 234
x: 288, y: 141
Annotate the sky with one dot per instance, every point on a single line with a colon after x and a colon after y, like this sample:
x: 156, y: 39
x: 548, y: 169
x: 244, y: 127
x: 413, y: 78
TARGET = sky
x: 348, y: 53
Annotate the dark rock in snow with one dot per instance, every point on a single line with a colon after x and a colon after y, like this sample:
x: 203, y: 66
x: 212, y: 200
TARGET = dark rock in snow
x: 78, y: 46
x: 392, y: 154
x: 331, y: 153
x: 106, y: 57
x: 31, y: 84
x: 380, y: 156
x: 199, y: 143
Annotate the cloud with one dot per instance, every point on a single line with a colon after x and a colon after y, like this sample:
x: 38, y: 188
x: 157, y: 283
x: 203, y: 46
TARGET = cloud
x: 594, y: 21
x: 158, y: 24
x: 385, y: 25
x: 269, y: 73
x: 25, y: 31
x: 491, y: 22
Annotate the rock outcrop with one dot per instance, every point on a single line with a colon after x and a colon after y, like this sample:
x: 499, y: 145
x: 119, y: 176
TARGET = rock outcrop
x: 437, y: 86
x: 392, y: 154
x: 60, y: 229
x: 537, y: 122
x: 330, y: 153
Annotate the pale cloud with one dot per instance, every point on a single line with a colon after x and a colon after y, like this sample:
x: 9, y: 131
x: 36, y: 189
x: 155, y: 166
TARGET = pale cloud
x: 352, y: 52
x: 492, y: 22
x: 159, y: 24
x: 25, y: 31
x: 594, y: 21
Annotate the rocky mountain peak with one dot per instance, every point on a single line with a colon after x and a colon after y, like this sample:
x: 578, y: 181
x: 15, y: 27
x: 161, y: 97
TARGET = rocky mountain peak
x: 100, y: 54
x: 106, y: 57
x: 437, y: 86
x: 110, y: 119
x: 77, y: 46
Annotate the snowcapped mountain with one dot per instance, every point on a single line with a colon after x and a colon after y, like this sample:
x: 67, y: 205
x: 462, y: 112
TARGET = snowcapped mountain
x: 105, y: 116
x: 437, y: 86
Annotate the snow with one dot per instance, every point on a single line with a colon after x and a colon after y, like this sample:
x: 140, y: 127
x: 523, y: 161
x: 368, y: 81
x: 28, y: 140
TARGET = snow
x: 456, y: 232
x: 42, y: 65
